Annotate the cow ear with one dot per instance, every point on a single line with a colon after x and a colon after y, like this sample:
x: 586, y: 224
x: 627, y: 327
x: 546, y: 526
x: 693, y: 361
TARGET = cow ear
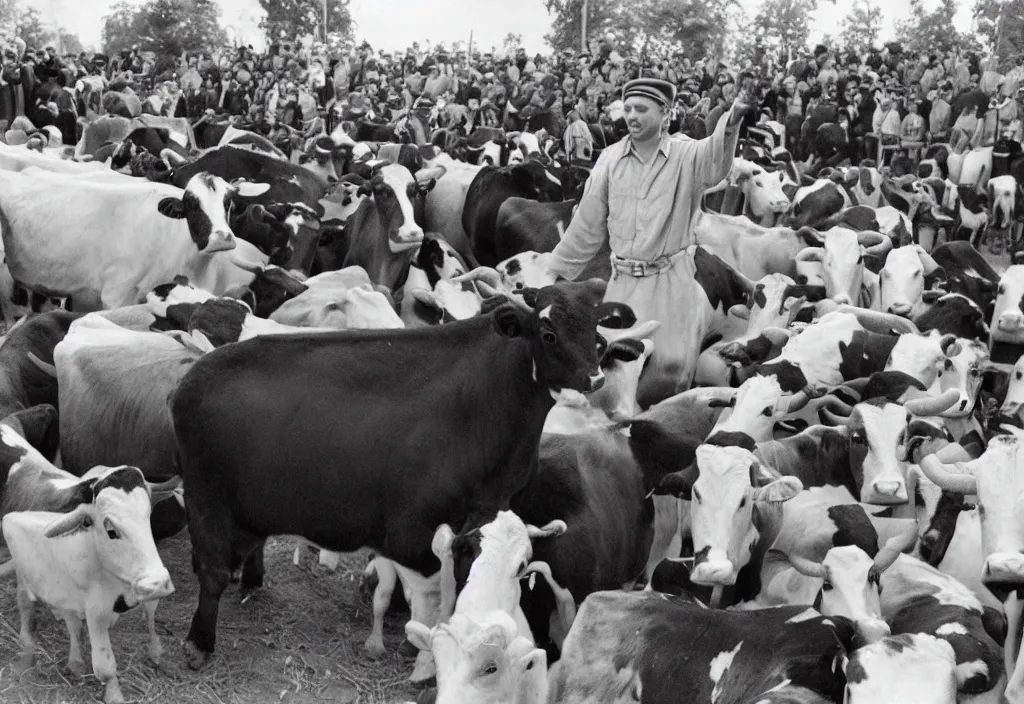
x: 530, y: 296
x: 779, y: 490
x: 509, y: 321
x: 172, y: 208
x: 932, y: 295
x: 427, y: 186
x: 70, y: 523
x: 248, y: 189
x: 418, y: 635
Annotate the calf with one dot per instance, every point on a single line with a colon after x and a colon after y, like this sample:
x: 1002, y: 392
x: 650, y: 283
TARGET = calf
x: 106, y: 562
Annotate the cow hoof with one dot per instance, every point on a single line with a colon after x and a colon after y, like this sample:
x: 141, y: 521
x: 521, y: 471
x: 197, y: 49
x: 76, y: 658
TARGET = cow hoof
x: 375, y: 648
x: 408, y: 650
x: 23, y: 663
x: 194, y: 657
x: 76, y: 667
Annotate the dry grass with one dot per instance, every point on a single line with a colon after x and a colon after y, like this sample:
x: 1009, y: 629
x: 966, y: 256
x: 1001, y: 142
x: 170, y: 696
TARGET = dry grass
x: 298, y: 639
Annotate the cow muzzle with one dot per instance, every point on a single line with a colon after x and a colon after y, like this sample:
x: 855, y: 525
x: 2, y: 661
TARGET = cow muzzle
x: 154, y: 586
x: 870, y: 630
x: 885, y: 492
x: 1009, y: 414
x: 901, y: 309
x: 595, y: 381
x: 1010, y: 321
x: 405, y: 238
x: 220, y: 241
x: 714, y: 571
x: 1003, y: 568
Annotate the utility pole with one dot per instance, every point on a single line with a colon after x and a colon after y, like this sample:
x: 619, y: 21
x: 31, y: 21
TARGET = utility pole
x: 325, y: 21
x: 583, y: 28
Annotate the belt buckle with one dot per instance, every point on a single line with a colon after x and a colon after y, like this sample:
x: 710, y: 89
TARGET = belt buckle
x: 638, y: 268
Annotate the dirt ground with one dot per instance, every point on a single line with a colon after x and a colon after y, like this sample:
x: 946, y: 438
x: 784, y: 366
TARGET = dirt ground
x: 298, y: 639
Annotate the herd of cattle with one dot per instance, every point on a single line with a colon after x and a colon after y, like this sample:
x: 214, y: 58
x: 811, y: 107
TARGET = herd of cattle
x: 366, y: 349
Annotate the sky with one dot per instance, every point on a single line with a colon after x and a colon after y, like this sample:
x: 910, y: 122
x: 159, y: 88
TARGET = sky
x: 396, y: 24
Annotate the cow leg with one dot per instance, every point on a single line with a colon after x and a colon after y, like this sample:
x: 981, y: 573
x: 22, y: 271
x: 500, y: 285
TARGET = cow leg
x: 666, y: 533
x: 104, y: 666
x: 253, y: 569
x: 27, y: 637
x: 211, y: 532
x: 76, y: 662
x: 387, y: 577
x: 156, y: 648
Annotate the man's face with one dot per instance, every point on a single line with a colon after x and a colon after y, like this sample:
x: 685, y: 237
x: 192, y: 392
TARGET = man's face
x: 473, y: 103
x: 643, y: 118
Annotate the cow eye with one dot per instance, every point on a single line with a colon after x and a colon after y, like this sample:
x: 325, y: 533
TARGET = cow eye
x: 858, y: 438
x: 489, y: 670
x: 826, y: 586
x: 1002, y: 289
x: 743, y: 502
x: 696, y: 495
x: 767, y: 412
x: 916, y: 274
x: 548, y: 337
x: 112, y: 532
x: 860, y: 259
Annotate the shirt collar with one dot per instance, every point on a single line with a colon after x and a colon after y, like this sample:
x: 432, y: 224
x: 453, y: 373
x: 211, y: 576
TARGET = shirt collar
x: 663, y: 145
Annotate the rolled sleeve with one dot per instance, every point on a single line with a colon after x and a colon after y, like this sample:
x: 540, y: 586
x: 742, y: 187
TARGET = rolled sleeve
x: 715, y: 153
x: 588, y: 229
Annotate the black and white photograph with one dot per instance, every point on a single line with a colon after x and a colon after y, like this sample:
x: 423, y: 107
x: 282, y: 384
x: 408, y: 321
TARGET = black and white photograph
x: 511, y: 351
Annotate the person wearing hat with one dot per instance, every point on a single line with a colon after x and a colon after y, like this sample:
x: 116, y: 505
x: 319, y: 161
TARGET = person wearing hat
x: 641, y: 199
x: 939, y: 117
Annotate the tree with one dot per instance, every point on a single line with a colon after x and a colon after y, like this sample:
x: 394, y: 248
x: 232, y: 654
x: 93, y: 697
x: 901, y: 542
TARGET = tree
x: 166, y: 27
x: 931, y: 32
x: 124, y: 26
x: 299, y: 17
x: 69, y: 42
x: 696, y: 26
x: 1002, y: 26
x: 512, y: 41
x: 33, y: 31
x: 862, y: 24
x: 784, y: 23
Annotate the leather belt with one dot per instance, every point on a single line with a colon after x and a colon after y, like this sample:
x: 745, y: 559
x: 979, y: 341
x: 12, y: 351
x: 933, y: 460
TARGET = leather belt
x: 639, y: 268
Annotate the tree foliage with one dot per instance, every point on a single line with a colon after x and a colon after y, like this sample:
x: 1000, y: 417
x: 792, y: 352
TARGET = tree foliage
x: 166, y: 27
x: 69, y: 42
x: 862, y: 25
x: 784, y: 23
x: 32, y: 29
x: 932, y: 31
x: 696, y: 25
x: 300, y: 17
x: 1001, y: 24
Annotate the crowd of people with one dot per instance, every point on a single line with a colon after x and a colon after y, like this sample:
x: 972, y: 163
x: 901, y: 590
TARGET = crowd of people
x: 303, y: 87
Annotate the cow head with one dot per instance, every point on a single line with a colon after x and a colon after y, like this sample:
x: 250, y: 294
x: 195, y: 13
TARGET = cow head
x: 965, y: 366
x: 483, y: 660
x: 393, y: 189
x: 763, y: 192
x: 997, y: 478
x: 560, y: 321
x: 1008, y: 315
x: 1002, y: 195
x: 1010, y: 413
x: 758, y: 404
x: 359, y: 307
x: 775, y: 302
x: 906, y: 667
x: 534, y: 181
x: 902, y: 280
x: 842, y: 260
x: 729, y: 493
x: 319, y: 159
x: 921, y: 356
x: 525, y: 270
x: 205, y: 205
x: 148, y: 166
x: 622, y: 363
x: 876, y: 429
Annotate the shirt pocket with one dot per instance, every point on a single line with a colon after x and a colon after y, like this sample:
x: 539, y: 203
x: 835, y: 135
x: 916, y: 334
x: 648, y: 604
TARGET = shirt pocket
x: 622, y: 209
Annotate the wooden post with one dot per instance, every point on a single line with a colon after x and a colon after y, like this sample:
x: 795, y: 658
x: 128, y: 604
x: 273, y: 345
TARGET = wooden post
x: 325, y: 21
x: 469, y: 50
x: 583, y: 28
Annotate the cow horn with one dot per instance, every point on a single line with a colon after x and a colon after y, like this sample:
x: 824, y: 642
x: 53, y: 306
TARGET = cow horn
x: 878, y: 322
x: 929, y: 265
x: 959, y: 482
x: 808, y: 568
x: 835, y: 404
x: 777, y: 336
x: 429, y: 172
x: 933, y: 405
x: 882, y: 244
x: 895, y: 545
x: 552, y: 529
x: 43, y: 366
x: 946, y: 341
x: 707, y: 394
x: 163, y: 490
x: 565, y: 604
x: 810, y: 254
x: 246, y: 266
x: 798, y: 400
